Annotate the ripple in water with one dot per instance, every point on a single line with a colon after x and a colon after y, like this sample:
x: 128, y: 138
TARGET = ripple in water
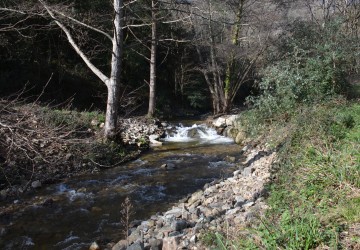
x: 150, y: 193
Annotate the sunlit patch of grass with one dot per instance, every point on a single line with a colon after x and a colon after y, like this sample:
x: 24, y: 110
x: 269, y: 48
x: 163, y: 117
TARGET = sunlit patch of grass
x: 315, y: 195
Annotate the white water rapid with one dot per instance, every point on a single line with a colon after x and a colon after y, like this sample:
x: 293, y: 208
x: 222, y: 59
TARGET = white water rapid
x: 200, y: 133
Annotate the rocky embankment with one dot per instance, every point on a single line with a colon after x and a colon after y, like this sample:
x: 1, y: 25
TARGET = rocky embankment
x: 141, y: 131
x: 219, y: 206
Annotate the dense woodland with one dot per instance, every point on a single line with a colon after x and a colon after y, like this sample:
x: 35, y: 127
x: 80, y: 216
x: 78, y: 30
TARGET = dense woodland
x: 168, y: 57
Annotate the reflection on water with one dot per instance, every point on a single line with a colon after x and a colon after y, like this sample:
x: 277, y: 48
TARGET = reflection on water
x: 72, y: 214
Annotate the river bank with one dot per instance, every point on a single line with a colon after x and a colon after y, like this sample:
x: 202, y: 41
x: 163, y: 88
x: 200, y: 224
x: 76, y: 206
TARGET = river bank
x: 223, y: 206
x: 41, y: 145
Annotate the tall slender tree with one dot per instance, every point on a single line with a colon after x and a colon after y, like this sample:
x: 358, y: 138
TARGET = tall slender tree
x: 55, y: 14
x: 228, y: 43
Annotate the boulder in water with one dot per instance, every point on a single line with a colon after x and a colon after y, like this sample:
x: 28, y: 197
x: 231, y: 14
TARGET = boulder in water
x: 193, y: 133
x: 154, y: 140
x: 168, y: 166
x: 220, y: 122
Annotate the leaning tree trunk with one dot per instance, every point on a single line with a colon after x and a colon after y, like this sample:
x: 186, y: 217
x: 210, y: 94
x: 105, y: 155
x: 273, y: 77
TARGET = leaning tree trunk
x: 113, y: 83
x: 152, y: 83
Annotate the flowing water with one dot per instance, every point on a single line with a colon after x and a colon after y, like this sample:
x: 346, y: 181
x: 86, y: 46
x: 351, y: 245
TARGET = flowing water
x: 74, y: 213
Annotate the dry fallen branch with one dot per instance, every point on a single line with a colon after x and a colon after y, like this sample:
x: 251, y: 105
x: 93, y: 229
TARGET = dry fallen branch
x: 29, y: 143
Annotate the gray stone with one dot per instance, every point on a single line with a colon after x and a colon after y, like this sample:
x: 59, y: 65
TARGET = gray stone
x: 3, y: 193
x: 135, y: 235
x: 240, y: 201
x: 231, y: 159
x: 154, y: 140
x: 193, y: 239
x: 36, y: 184
x: 237, y: 173
x: 249, y: 204
x: 159, y: 224
x: 226, y: 207
x: 249, y: 216
x: 178, y: 225
x: 220, y: 122
x: 186, y: 215
x: 193, y: 133
x: 160, y: 235
x: 135, y: 223
x: 195, y: 197
x: 230, y: 120
x: 168, y: 166
x: 172, y: 234
x: 153, y: 137
x: 209, y: 190
x: 248, y: 171
x: 175, y: 212
x: 185, y: 243
x: 155, y: 143
x: 198, y: 227
x: 239, y: 219
x: 194, y: 217
x: 164, y: 231
x: 232, y: 132
x: 121, y: 245
x: 240, y: 137
x: 155, y: 244
x: 233, y: 211
x: 2, y: 231
x: 94, y: 122
x: 136, y: 246
x: 194, y: 205
x: 171, y: 243
x: 68, y: 157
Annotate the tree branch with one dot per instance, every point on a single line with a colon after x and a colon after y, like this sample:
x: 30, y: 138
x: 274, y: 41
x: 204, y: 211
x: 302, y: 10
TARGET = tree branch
x: 13, y: 10
x: 83, y: 24
x: 70, y: 39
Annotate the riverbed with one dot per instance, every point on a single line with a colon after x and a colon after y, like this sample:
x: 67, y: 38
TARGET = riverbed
x: 78, y: 211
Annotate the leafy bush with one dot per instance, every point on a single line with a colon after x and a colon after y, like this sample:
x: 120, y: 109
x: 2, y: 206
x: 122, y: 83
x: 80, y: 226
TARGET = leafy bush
x: 313, y: 67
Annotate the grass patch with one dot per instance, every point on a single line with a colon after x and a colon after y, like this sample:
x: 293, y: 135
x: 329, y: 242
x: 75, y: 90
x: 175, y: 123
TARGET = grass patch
x: 315, y: 196
x: 70, y: 119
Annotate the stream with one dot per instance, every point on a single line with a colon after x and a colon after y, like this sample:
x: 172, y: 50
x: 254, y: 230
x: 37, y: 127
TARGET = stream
x: 78, y: 211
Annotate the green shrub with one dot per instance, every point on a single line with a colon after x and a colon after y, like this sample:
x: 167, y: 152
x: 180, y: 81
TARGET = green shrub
x: 71, y: 119
x: 313, y: 67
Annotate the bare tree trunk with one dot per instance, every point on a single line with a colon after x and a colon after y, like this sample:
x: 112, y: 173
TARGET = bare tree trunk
x: 230, y: 68
x: 113, y: 83
x: 152, y: 83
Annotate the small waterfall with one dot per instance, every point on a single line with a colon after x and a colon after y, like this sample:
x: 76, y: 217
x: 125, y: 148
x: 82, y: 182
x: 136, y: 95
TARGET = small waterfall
x: 200, y: 133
